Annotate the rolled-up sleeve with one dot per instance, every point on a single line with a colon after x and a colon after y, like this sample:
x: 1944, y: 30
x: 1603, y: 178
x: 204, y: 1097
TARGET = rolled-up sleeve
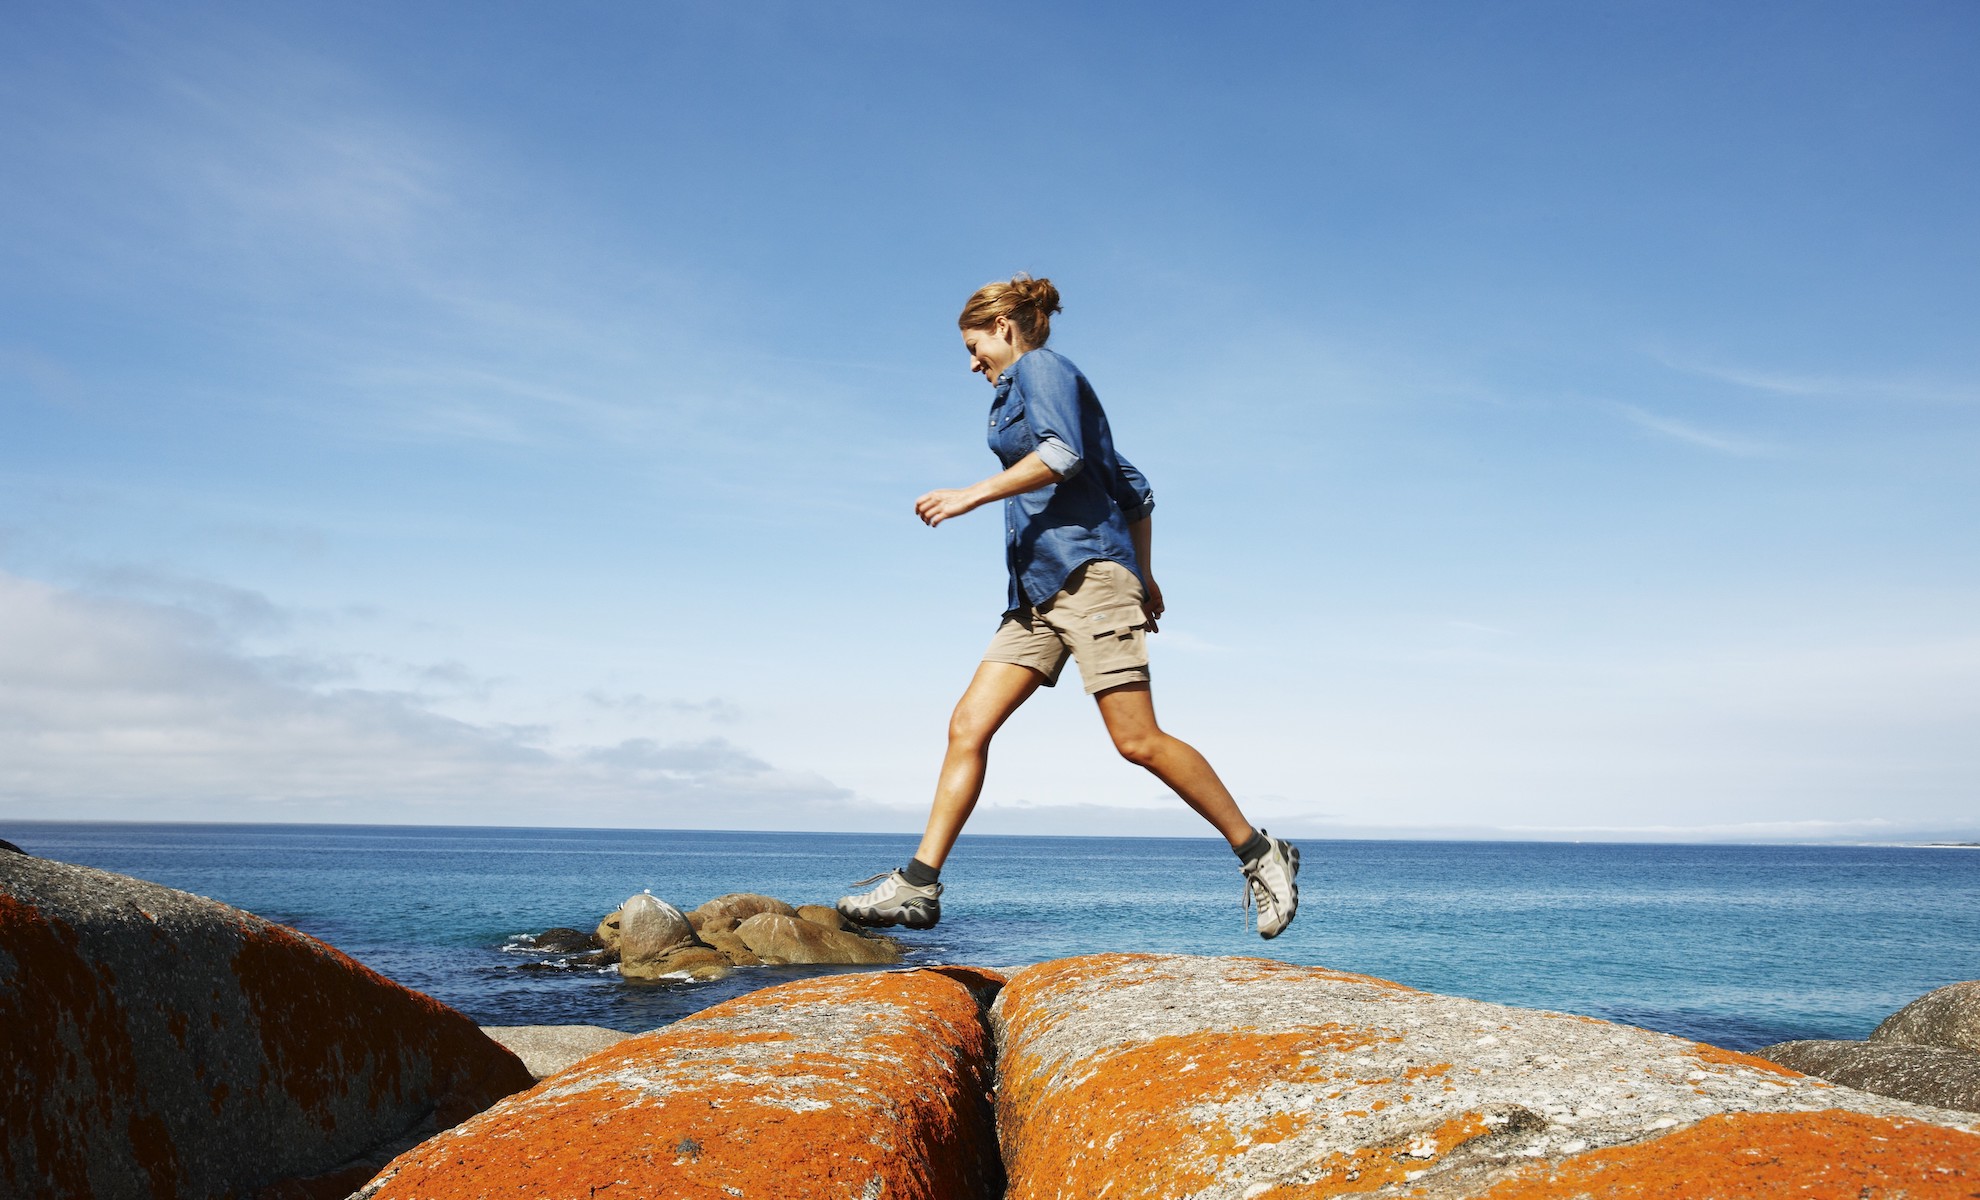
x: 1058, y: 456
x: 1132, y: 493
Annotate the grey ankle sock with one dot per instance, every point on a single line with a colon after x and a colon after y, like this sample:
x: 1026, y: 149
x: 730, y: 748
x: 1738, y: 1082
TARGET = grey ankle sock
x: 1254, y: 849
x: 920, y: 874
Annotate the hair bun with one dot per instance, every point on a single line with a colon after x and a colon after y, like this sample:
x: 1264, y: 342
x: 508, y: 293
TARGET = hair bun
x: 1036, y: 294
x: 1028, y: 303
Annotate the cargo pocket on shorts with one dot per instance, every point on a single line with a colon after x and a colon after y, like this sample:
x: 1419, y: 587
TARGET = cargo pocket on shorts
x: 1113, y: 639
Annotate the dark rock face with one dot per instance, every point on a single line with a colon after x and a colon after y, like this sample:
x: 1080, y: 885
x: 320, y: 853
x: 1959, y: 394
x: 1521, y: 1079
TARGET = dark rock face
x: 157, y: 1044
x: 1948, y: 1018
x: 566, y: 941
x: 7, y: 847
x: 1920, y: 1074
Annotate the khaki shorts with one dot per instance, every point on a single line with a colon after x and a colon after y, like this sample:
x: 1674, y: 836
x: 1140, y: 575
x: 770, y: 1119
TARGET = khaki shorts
x: 1097, y: 619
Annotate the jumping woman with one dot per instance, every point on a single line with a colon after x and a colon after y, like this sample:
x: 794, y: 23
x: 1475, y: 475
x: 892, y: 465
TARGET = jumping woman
x: 1076, y: 539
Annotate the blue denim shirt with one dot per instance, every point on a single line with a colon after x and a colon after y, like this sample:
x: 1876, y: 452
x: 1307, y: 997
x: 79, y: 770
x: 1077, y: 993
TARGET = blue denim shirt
x: 1043, y: 403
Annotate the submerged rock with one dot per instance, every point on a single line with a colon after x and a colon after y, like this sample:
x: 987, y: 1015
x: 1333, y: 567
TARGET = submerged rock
x: 1144, y: 1076
x: 1920, y: 1074
x: 1948, y: 1018
x: 852, y: 1086
x: 154, y: 1043
x: 775, y: 938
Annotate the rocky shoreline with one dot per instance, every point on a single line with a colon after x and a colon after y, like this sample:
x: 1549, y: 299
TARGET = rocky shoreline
x: 648, y: 938
x: 158, y: 1044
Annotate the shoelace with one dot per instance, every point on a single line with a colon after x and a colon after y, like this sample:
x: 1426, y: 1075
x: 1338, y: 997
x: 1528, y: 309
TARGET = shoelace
x: 1246, y: 902
x: 873, y: 879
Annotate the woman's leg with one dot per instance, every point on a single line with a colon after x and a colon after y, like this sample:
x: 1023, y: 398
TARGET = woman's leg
x: 1129, y: 711
x: 992, y: 696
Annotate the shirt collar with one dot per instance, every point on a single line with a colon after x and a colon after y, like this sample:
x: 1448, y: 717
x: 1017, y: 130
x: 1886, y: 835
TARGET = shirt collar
x: 1009, y: 375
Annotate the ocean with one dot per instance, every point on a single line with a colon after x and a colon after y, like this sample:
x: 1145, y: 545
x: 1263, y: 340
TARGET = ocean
x: 1739, y: 946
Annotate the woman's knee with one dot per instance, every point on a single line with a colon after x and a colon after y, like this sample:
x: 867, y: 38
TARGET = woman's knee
x: 969, y: 731
x: 1140, y: 748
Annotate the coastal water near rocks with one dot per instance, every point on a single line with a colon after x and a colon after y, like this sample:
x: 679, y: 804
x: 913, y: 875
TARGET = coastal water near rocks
x: 1101, y: 1075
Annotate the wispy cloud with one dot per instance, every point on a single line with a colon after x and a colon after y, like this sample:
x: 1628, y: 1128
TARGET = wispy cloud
x: 634, y: 703
x: 1684, y: 431
x: 1911, y: 389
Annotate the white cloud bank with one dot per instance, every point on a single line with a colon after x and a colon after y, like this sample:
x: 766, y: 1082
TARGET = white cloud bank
x: 119, y: 708
x: 150, y: 696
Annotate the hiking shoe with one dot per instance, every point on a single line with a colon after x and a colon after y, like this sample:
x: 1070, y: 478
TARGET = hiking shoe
x: 894, y: 902
x: 1271, y: 883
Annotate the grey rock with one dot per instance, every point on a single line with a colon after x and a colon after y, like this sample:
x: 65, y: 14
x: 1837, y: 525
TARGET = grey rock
x: 1920, y: 1074
x: 1948, y: 1018
x: 608, y: 930
x: 548, y: 1049
x: 154, y: 1043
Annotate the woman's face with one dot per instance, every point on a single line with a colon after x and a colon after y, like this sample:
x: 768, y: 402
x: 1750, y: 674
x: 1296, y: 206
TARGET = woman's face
x: 992, y: 348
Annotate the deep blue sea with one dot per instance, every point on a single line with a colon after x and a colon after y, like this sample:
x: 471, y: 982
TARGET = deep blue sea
x: 1735, y: 945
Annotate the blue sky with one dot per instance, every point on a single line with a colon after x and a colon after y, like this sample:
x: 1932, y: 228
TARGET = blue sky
x: 1563, y: 417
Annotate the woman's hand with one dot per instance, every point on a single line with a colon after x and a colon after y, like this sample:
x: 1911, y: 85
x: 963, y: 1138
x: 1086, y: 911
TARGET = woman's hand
x: 943, y: 503
x: 1027, y: 474
x: 1152, y: 606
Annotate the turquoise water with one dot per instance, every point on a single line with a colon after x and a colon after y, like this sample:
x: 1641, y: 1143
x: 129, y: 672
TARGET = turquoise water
x: 1735, y: 945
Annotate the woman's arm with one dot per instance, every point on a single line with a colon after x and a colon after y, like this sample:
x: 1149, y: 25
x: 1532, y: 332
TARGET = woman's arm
x: 1027, y: 474
x: 1143, y: 532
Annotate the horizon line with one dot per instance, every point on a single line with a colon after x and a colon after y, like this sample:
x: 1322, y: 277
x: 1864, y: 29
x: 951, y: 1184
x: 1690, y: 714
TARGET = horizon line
x: 1945, y: 841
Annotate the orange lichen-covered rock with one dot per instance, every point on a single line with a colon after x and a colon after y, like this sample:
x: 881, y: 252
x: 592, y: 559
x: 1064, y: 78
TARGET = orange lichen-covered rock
x: 1127, y: 1076
x: 154, y: 1044
x: 848, y: 1086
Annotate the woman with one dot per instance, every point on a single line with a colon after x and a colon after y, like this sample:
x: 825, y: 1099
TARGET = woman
x: 1076, y: 539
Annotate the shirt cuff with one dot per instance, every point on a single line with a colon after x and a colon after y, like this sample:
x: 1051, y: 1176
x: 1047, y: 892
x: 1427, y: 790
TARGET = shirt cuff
x: 1141, y: 511
x: 1059, y: 456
